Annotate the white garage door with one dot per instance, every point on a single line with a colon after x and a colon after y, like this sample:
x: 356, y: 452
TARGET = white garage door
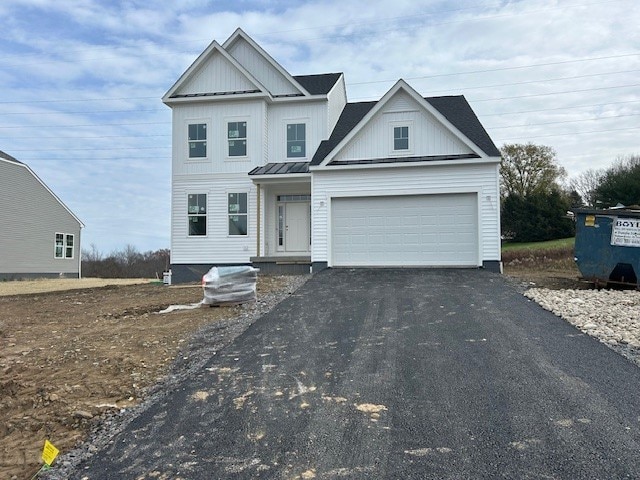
x: 409, y: 230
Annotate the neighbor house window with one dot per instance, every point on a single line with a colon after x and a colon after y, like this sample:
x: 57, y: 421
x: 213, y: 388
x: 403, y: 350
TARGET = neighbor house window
x: 237, y: 214
x: 197, y: 214
x: 197, y: 140
x: 296, y: 143
x: 63, y: 247
x: 237, y: 138
x: 401, y: 138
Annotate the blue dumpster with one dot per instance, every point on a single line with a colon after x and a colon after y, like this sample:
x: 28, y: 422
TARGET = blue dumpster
x: 607, y: 247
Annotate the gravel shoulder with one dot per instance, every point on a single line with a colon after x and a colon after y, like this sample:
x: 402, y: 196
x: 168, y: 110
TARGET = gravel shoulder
x: 611, y: 316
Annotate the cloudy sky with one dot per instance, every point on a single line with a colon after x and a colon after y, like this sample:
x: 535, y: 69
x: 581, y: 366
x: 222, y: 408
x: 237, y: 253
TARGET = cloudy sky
x: 81, y: 81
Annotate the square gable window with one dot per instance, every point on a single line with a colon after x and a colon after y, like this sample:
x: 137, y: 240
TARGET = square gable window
x: 401, y: 138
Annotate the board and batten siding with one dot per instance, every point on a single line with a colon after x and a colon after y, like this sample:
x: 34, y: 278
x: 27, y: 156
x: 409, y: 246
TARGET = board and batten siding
x: 216, y: 115
x: 217, y: 75
x: 217, y: 246
x: 313, y: 114
x: 30, y: 217
x: 261, y: 69
x: 337, y: 99
x: 426, y: 179
x: 427, y: 136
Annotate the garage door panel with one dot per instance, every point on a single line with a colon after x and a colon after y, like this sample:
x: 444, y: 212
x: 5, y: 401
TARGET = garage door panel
x: 415, y: 230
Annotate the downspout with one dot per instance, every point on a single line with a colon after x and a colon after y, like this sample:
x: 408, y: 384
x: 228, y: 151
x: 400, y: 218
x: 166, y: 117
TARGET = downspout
x: 258, y: 222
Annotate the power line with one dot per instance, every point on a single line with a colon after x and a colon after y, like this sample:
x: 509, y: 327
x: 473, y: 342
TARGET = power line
x: 568, y: 107
x: 87, y: 125
x: 565, y: 121
x: 555, y: 93
x: 567, y: 134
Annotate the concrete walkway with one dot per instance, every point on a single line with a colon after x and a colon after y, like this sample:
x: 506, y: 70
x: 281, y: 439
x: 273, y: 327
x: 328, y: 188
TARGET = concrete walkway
x: 400, y: 374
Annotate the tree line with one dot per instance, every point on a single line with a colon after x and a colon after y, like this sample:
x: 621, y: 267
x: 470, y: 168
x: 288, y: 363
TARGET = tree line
x: 125, y: 263
x: 536, y: 196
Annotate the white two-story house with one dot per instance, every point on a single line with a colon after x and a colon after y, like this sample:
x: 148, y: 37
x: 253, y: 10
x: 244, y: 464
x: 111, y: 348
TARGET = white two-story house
x: 280, y: 171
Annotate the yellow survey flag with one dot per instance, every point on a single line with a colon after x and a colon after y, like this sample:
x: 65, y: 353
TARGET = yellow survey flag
x: 49, y: 453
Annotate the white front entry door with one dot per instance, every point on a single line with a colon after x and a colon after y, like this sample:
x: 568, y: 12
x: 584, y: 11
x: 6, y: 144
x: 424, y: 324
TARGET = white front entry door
x: 296, y: 231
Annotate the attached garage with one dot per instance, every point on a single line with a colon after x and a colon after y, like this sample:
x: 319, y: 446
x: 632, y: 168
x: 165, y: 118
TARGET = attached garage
x: 405, y: 230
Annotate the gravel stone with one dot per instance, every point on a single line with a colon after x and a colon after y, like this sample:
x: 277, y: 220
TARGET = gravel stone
x: 611, y: 316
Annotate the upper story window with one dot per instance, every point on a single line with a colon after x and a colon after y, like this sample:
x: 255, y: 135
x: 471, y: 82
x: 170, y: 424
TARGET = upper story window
x: 64, y: 245
x: 401, y: 138
x: 197, y: 214
x: 197, y: 140
x: 237, y: 214
x: 296, y: 140
x: 237, y: 138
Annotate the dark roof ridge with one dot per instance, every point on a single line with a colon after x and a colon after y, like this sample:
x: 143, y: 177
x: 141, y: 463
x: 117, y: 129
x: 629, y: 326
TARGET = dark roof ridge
x: 6, y: 156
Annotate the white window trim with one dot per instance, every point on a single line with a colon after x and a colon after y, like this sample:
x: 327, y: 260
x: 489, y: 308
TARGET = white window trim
x: 206, y: 214
x: 229, y: 214
x: 185, y: 132
x: 227, y: 157
x: 296, y: 121
x: 393, y: 126
x: 64, y: 246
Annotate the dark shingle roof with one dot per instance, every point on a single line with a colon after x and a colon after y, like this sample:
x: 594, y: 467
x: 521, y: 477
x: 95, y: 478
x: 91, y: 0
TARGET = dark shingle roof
x: 6, y: 156
x: 349, y: 118
x: 457, y: 110
x: 454, y: 108
x: 319, y: 84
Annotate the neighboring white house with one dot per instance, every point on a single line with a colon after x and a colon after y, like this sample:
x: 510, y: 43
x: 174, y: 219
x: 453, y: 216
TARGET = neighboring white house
x: 39, y: 235
x: 280, y: 171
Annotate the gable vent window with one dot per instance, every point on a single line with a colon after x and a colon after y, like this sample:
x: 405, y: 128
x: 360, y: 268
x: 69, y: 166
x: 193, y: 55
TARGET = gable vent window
x: 296, y: 140
x: 401, y: 138
x: 197, y: 140
x: 237, y: 138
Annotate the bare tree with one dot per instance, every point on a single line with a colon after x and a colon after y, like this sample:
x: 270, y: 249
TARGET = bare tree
x: 586, y: 185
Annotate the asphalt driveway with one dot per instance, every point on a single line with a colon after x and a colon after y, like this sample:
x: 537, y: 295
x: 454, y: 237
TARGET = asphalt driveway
x: 403, y: 374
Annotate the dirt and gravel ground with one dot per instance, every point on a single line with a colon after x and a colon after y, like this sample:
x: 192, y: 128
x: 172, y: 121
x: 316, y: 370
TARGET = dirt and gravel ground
x: 70, y: 359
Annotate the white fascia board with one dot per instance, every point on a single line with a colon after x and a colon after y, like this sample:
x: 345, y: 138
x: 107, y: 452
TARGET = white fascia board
x: 202, y: 58
x: 371, y: 166
x: 239, y: 33
x: 24, y: 165
x: 282, y: 178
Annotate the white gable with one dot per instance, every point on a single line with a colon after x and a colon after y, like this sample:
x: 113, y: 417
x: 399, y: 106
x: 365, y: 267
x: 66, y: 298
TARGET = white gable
x: 216, y: 75
x: 427, y: 135
x: 261, y: 68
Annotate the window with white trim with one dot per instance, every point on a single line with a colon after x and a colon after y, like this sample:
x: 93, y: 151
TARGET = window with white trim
x: 197, y: 214
x: 238, y: 217
x: 296, y: 140
x: 401, y: 138
x: 197, y: 133
x: 63, y: 247
x: 237, y: 139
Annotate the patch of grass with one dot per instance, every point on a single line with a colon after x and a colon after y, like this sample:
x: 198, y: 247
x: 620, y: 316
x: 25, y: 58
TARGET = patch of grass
x: 552, y: 255
x: 562, y: 243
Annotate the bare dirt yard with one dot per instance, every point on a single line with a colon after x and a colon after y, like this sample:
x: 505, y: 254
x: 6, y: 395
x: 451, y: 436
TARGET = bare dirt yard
x: 70, y: 357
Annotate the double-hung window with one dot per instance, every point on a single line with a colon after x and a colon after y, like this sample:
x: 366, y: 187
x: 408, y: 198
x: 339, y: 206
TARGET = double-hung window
x: 237, y: 138
x: 197, y: 140
x: 64, y: 245
x: 296, y: 140
x: 197, y: 214
x: 237, y: 214
x: 401, y: 138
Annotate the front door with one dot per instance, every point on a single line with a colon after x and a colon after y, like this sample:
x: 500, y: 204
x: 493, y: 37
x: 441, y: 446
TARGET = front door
x: 296, y: 228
